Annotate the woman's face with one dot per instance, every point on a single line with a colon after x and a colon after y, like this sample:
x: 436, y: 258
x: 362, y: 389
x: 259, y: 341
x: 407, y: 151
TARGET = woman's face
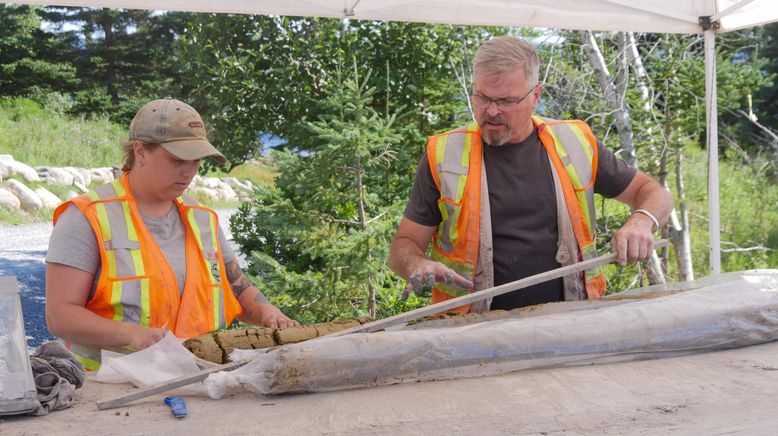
x: 163, y: 175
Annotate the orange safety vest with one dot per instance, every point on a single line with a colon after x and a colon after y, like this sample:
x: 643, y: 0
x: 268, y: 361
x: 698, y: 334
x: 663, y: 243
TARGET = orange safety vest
x: 456, y: 160
x: 137, y: 285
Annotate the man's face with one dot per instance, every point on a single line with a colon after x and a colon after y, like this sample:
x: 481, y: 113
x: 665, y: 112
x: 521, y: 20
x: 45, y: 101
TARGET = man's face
x: 505, y: 122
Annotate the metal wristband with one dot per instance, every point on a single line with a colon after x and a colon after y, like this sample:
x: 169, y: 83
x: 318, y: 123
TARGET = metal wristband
x: 650, y: 215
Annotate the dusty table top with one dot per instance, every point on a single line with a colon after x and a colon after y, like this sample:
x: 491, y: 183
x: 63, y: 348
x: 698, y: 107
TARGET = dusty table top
x: 725, y: 392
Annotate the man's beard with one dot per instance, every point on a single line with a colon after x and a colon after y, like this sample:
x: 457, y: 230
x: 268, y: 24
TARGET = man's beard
x: 495, y: 137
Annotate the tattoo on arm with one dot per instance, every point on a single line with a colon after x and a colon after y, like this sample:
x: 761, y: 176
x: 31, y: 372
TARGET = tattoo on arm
x: 238, y: 281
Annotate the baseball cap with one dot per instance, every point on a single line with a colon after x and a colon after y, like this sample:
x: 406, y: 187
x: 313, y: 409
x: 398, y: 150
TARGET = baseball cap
x: 176, y: 126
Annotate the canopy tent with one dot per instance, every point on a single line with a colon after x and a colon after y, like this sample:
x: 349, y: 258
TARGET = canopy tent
x: 660, y: 16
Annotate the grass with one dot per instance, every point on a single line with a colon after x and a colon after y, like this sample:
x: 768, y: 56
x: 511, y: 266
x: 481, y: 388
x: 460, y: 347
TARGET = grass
x: 36, y: 137
x: 258, y: 172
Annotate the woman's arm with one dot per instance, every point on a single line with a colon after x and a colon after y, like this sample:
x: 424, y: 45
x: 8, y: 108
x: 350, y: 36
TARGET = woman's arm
x: 67, y: 290
x: 256, y: 308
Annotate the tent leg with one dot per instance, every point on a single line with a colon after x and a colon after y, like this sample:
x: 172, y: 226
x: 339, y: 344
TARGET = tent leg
x: 711, y: 109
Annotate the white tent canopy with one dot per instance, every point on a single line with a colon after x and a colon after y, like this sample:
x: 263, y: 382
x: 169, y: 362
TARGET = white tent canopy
x: 660, y: 16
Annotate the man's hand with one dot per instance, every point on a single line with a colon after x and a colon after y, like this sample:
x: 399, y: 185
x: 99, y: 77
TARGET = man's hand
x: 271, y: 316
x: 424, y: 277
x: 634, y: 240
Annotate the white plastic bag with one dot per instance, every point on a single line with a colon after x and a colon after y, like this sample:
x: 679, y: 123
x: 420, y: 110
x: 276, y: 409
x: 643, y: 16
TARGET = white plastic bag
x: 163, y: 361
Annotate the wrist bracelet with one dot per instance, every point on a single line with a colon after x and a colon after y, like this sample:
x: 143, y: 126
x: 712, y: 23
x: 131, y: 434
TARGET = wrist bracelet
x: 655, y: 221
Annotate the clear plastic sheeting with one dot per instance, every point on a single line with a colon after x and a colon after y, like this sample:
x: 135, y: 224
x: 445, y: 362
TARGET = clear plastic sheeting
x: 726, y: 311
x: 17, y: 388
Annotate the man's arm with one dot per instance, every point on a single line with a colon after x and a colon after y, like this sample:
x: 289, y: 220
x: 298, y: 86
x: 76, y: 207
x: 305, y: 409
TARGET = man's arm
x: 256, y: 308
x: 634, y: 240
x: 407, y: 259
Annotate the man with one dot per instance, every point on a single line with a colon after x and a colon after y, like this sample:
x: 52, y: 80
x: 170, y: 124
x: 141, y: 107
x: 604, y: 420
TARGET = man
x: 511, y: 196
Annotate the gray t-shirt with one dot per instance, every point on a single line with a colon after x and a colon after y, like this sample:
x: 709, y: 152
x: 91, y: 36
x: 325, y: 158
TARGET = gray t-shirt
x: 522, y: 203
x: 73, y: 243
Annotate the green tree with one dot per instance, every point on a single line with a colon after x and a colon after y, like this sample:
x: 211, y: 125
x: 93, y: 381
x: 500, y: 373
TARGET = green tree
x: 124, y: 57
x: 319, y: 237
x: 28, y: 62
x: 262, y: 75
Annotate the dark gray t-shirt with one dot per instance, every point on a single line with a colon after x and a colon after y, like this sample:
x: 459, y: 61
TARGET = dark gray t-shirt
x: 73, y: 243
x: 522, y: 203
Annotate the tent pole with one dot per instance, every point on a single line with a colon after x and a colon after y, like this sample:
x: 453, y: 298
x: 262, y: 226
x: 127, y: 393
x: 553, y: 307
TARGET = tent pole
x: 711, y: 109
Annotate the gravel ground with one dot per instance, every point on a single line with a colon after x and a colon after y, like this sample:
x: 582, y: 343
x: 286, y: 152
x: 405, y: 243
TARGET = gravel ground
x: 23, y: 253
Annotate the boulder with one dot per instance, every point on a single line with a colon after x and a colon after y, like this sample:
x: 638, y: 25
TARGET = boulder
x: 204, y: 193
x: 101, y: 175
x: 211, y: 182
x: 11, y: 167
x: 28, y: 199
x: 81, y: 178
x: 9, y: 200
x: 235, y: 183
x: 49, y: 200
x: 58, y: 176
x: 71, y: 194
x: 226, y: 193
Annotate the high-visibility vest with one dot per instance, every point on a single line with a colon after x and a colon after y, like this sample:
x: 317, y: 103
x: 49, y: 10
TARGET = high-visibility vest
x: 137, y: 285
x: 456, y: 163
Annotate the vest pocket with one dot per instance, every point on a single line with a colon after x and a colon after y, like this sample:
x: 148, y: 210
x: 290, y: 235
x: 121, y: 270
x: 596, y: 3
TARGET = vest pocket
x: 125, y: 256
x: 130, y: 299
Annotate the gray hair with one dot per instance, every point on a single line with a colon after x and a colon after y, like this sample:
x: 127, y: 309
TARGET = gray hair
x: 506, y: 54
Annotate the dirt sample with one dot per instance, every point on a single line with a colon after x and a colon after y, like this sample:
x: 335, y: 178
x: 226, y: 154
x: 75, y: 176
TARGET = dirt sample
x: 216, y: 347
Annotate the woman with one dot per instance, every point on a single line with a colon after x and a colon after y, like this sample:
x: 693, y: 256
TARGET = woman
x: 135, y: 258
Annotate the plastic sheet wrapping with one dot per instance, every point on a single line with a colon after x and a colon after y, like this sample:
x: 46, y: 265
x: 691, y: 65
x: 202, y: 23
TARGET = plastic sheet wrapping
x: 17, y: 387
x: 729, y: 311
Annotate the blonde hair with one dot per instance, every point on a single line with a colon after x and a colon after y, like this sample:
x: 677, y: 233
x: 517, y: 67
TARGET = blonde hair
x: 506, y: 54
x: 128, y: 148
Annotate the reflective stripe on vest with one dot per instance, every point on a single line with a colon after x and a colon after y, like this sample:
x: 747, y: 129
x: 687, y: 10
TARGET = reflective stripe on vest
x: 573, y: 151
x: 455, y: 157
x: 203, y: 224
x: 454, y: 165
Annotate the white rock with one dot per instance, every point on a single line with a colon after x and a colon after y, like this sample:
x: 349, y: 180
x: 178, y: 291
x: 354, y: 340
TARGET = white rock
x: 198, y: 180
x: 13, y: 168
x: 211, y: 182
x: 9, y: 200
x: 59, y: 176
x: 49, y: 200
x: 28, y: 199
x: 203, y: 192
x: 71, y: 195
x: 6, y: 158
x: 227, y: 193
x: 81, y: 178
x: 237, y: 184
x: 102, y: 175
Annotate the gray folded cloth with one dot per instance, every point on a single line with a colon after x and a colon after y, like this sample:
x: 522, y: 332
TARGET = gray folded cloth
x: 63, y: 362
x: 57, y: 375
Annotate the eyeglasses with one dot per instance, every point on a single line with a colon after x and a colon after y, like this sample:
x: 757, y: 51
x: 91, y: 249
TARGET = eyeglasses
x: 505, y: 104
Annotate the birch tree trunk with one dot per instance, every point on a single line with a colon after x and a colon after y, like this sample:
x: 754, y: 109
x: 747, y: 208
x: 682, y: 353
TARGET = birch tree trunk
x: 678, y: 232
x: 616, y: 98
x: 615, y: 101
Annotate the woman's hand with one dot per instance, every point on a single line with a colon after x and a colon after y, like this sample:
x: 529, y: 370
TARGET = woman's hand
x: 271, y: 316
x: 138, y: 337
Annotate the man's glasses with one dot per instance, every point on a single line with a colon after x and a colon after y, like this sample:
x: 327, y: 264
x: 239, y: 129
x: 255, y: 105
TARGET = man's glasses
x: 504, y: 104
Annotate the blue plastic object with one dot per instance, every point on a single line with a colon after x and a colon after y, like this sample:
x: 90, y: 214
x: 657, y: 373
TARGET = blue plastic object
x: 177, y: 406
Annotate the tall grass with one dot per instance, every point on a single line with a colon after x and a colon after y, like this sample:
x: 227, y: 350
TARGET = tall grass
x: 38, y: 137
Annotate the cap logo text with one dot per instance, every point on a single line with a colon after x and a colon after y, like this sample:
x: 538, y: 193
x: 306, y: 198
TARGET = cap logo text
x: 195, y: 124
